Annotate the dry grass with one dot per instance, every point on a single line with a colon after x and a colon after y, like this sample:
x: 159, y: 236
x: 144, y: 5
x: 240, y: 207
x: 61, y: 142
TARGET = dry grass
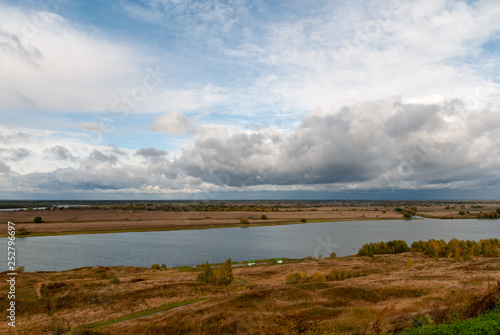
x: 388, y: 297
x: 71, y: 221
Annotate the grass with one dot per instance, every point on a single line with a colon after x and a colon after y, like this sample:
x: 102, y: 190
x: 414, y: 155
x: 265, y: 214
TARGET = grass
x: 487, y: 324
x: 386, y: 299
x: 140, y: 314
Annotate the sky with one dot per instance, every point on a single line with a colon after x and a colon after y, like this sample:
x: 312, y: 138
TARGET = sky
x: 249, y: 99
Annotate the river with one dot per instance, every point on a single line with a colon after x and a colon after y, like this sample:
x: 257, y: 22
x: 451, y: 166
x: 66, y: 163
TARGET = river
x: 191, y: 247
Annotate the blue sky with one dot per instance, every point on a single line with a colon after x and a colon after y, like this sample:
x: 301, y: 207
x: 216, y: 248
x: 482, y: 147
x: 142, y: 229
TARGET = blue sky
x: 164, y: 99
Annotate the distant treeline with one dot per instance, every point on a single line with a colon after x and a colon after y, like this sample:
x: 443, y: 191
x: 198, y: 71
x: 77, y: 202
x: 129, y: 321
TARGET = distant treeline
x: 436, y: 248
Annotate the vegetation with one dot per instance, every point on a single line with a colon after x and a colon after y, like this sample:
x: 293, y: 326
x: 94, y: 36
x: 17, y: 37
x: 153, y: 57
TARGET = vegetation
x: 318, y: 277
x: 391, y: 247
x: 488, y: 215
x: 487, y: 323
x: 22, y: 231
x: 263, y: 217
x: 222, y: 276
x: 114, y: 280
x: 244, y: 221
x: 37, y: 219
x: 458, y: 248
x: 155, y: 266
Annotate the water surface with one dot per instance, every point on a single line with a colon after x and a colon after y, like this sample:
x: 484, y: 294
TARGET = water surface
x: 191, y: 247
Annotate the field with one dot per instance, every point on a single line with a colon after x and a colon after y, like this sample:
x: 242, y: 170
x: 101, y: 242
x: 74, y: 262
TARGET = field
x: 149, y: 217
x: 387, y: 296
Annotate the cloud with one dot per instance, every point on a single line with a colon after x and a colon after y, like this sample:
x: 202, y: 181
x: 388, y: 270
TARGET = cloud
x: 380, y: 145
x: 54, y: 65
x: 171, y: 123
x: 4, y: 168
x: 60, y: 153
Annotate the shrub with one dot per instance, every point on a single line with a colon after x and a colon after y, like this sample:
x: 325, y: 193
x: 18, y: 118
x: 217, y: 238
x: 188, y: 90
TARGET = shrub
x: 333, y: 255
x: 409, y: 264
x: 407, y: 213
x: 421, y: 321
x: 391, y: 247
x: 155, y: 267
x: 38, y: 219
x: 303, y: 220
x: 244, y: 221
x: 263, y: 217
x: 114, y: 281
x: 22, y: 231
x: 318, y: 278
x: 294, y: 278
x: 163, y: 267
x: 207, y: 275
x: 461, y: 213
x: 224, y: 274
x: 20, y: 268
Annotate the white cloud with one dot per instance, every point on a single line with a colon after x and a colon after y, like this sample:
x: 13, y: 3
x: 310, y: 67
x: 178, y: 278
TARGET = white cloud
x: 171, y: 123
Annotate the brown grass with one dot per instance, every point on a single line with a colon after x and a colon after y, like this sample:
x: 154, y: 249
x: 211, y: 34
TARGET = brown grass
x: 71, y: 221
x: 387, y: 298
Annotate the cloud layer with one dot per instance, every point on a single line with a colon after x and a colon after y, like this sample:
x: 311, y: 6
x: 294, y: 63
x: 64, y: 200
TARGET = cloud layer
x: 361, y: 145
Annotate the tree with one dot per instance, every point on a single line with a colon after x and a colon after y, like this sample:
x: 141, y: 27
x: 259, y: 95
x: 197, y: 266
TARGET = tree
x: 37, y: 219
x: 155, y: 266
x: 244, y: 221
x: 22, y: 231
x: 207, y: 276
x: 263, y: 217
x: 224, y: 274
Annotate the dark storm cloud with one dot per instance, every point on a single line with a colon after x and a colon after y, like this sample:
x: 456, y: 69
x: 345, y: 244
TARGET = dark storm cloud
x: 360, y: 143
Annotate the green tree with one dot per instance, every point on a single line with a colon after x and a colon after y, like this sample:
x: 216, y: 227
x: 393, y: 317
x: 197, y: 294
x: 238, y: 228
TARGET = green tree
x: 155, y: 266
x: 224, y: 274
x: 22, y: 231
x: 37, y: 219
x: 207, y: 276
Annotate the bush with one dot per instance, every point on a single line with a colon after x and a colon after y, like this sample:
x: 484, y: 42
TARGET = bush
x: 318, y: 278
x: 294, y: 278
x: 244, y: 221
x: 263, y: 217
x: 155, y: 267
x: 22, y: 231
x: 218, y: 277
x: 163, y: 267
x: 391, y: 247
x: 461, y: 213
x: 38, y: 219
x: 333, y: 255
x: 114, y: 281
x: 303, y: 220
x: 207, y: 275
x: 224, y: 274
x: 20, y: 268
x: 409, y: 264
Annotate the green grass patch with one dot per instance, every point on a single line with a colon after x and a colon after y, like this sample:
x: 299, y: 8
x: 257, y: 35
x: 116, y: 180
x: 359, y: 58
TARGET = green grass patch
x: 487, y: 324
x: 143, y: 313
